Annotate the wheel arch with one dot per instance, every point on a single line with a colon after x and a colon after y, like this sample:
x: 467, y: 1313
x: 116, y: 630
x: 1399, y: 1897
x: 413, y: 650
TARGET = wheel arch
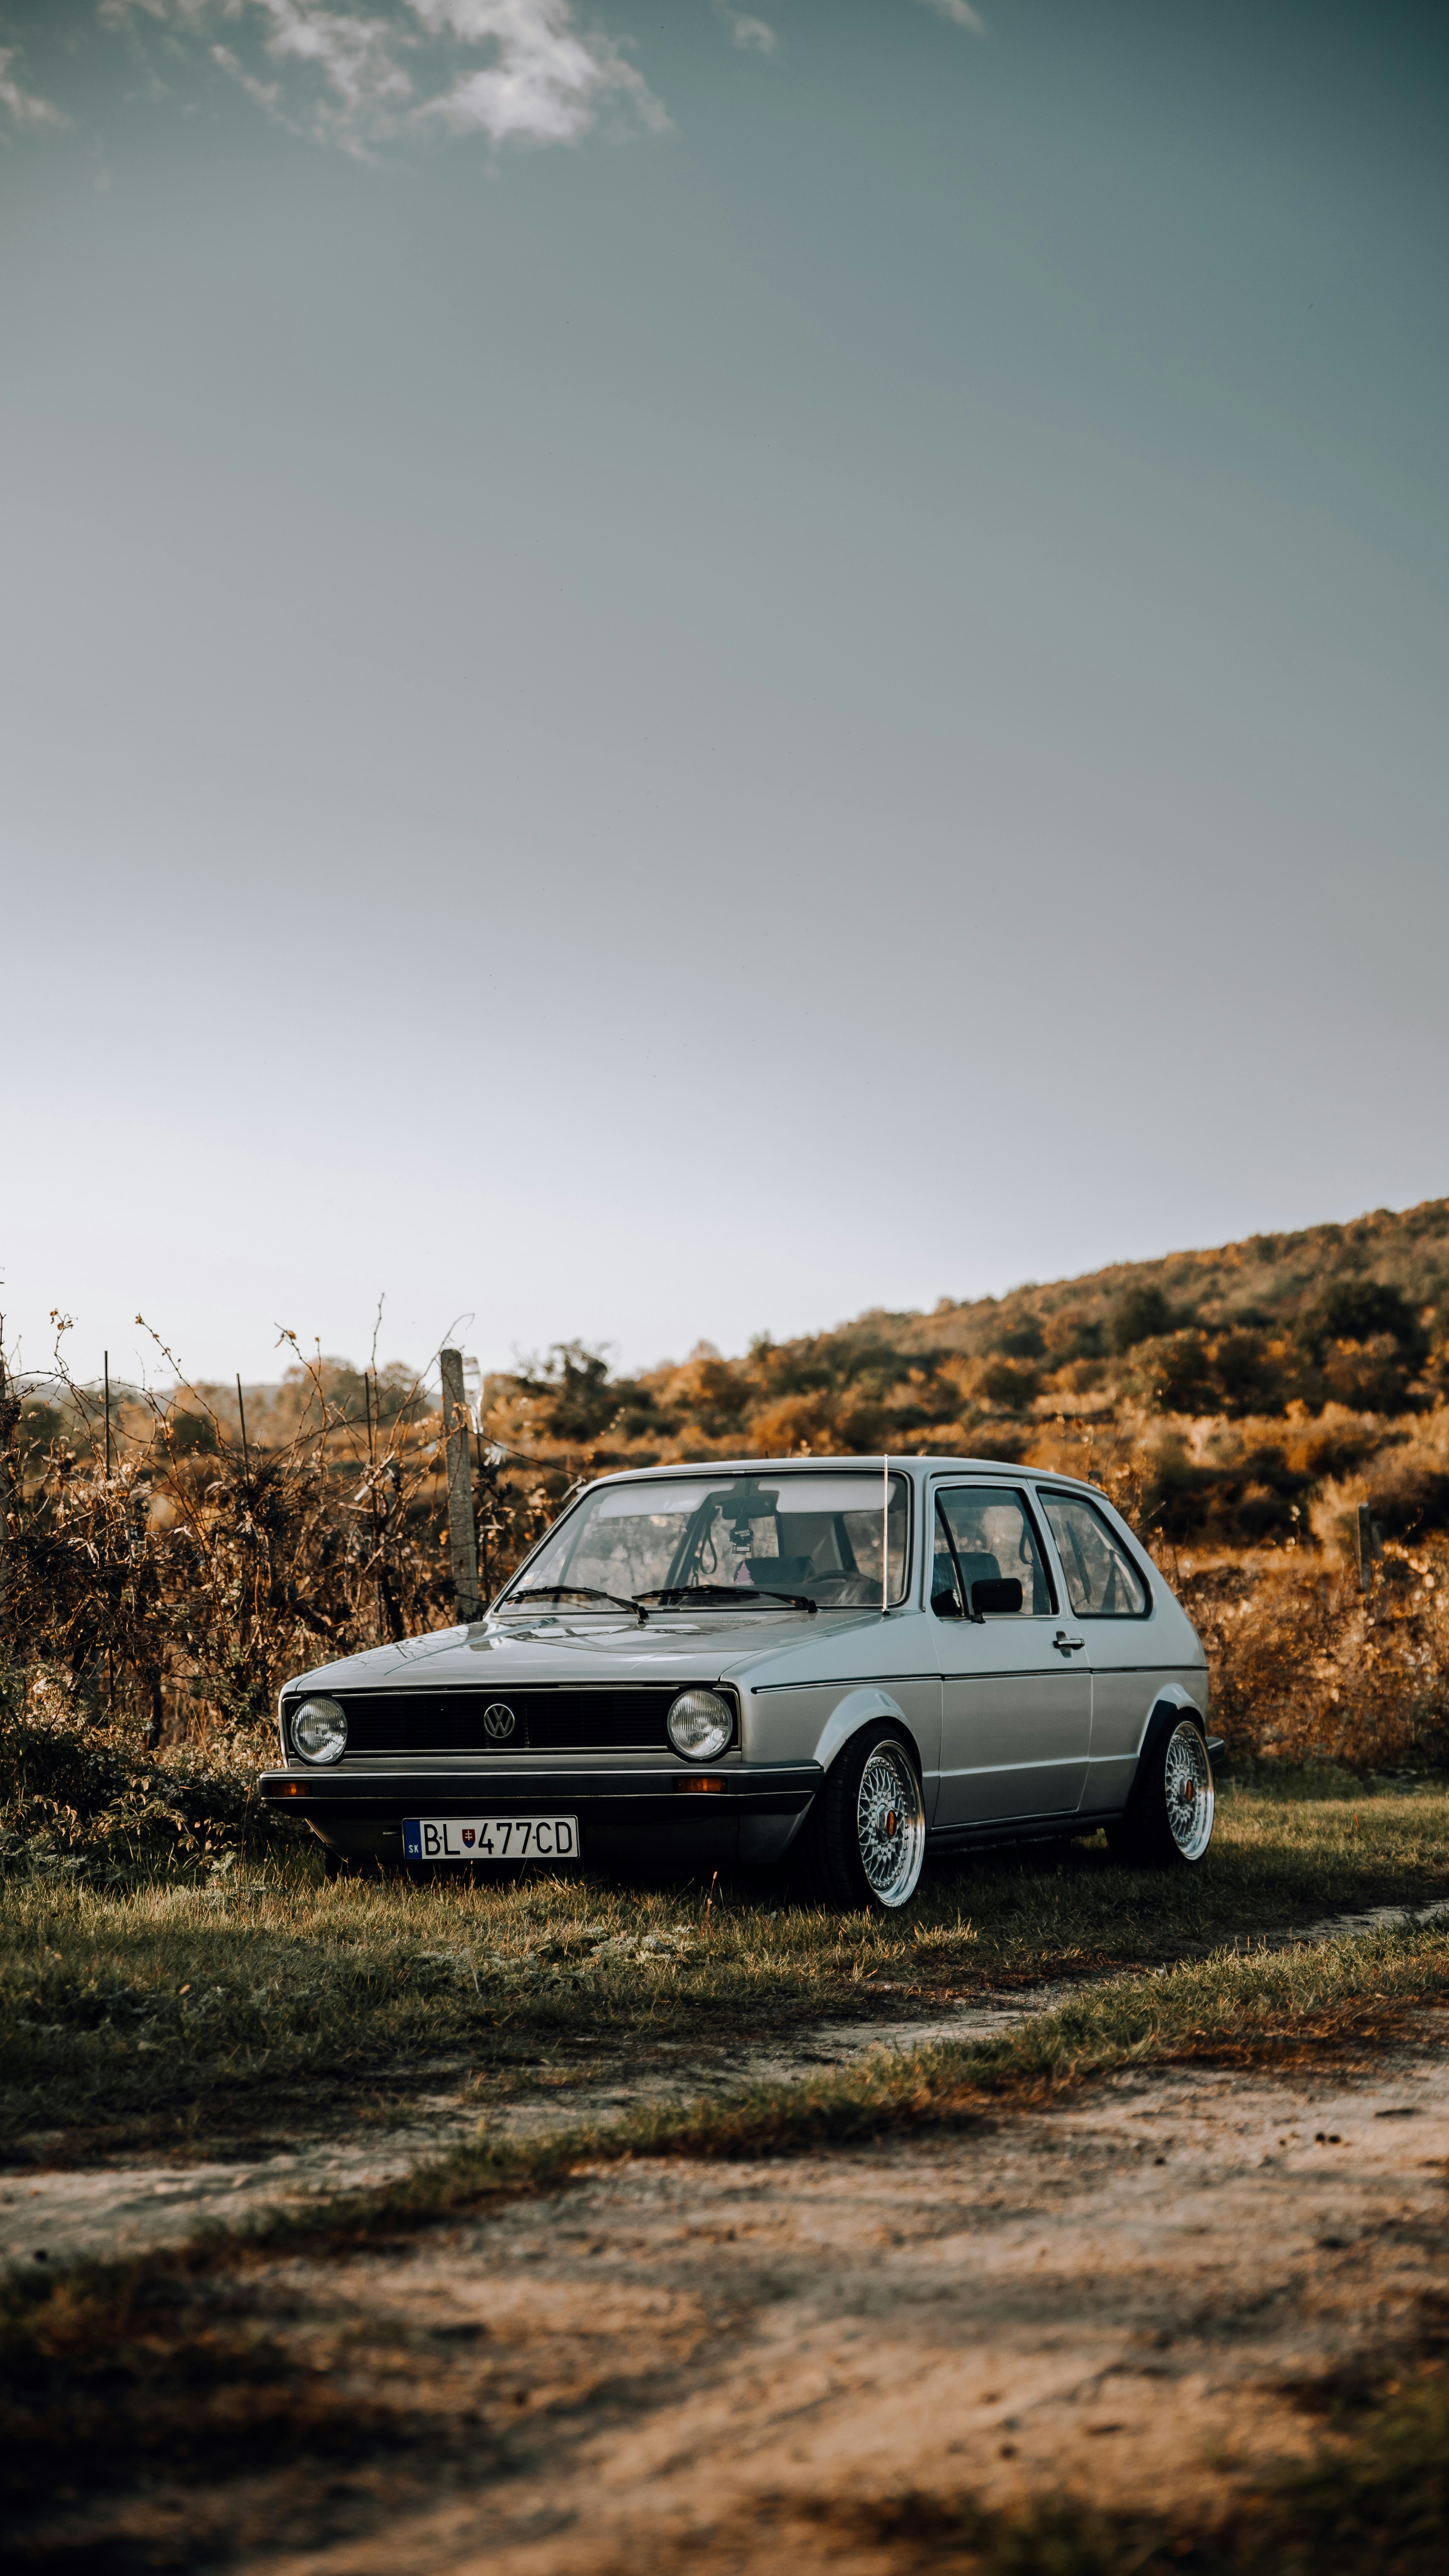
x: 862, y: 1707
x: 1171, y: 1703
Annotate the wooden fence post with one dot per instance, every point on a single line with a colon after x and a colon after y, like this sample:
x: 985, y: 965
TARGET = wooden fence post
x: 9, y: 1416
x: 462, y: 1525
x: 1365, y: 1549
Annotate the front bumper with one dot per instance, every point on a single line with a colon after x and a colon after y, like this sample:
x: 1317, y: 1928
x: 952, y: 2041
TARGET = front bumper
x: 741, y: 1811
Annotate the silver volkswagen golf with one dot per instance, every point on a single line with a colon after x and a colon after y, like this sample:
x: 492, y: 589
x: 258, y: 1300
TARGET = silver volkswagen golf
x: 853, y: 1661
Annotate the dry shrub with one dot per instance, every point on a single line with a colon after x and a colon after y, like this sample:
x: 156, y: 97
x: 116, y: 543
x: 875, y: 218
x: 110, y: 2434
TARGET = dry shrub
x: 159, y: 1586
x: 78, y: 1800
x: 1333, y: 1518
x: 1304, y: 1668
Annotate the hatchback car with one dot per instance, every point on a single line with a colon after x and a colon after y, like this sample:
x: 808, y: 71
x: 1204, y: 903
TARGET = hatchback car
x: 854, y: 1661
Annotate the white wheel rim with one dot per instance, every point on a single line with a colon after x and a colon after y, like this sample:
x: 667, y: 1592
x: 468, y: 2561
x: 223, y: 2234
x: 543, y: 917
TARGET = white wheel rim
x: 1188, y: 1782
x: 890, y: 1824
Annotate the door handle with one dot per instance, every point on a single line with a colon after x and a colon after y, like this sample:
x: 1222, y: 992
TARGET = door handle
x: 1068, y: 1645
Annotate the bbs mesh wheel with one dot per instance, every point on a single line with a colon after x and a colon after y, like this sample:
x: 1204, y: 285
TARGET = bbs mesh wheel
x: 869, y: 1838
x: 1169, y: 1823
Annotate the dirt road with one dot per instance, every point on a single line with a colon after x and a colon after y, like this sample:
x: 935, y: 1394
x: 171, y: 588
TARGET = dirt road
x: 129, y: 2202
x: 123, y: 2203
x: 672, y: 2363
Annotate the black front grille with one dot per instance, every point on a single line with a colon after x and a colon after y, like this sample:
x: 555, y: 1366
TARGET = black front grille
x: 566, y: 1720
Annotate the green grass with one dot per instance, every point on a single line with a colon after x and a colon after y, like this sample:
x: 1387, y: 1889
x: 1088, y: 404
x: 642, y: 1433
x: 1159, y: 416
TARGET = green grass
x: 1262, y: 2008
x: 272, y: 2001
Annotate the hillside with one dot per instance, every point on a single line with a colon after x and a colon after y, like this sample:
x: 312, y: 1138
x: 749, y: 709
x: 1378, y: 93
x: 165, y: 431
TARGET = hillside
x: 1242, y: 1393
x: 1257, y: 1391
x: 1277, y: 1278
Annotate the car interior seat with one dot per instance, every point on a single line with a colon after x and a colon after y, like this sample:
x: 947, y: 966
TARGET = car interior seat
x: 780, y: 1573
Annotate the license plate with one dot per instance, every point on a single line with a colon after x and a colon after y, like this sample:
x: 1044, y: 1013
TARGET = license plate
x: 491, y: 1837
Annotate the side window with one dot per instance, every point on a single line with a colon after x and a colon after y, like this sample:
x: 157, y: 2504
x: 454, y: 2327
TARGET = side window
x: 1102, y: 1581
x: 990, y: 1530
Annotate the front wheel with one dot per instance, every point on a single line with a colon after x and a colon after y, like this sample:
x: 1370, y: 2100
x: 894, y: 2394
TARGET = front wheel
x: 870, y: 1826
x: 1170, y: 1821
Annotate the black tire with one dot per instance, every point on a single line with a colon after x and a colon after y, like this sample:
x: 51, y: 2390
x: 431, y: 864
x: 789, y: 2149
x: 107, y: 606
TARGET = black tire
x: 871, y: 1796
x: 1169, y: 1823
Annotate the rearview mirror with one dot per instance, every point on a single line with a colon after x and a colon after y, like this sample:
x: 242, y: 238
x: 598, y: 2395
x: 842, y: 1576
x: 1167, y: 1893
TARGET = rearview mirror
x: 996, y: 1600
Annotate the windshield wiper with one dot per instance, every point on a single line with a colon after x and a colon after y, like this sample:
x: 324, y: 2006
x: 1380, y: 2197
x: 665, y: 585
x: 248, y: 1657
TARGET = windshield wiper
x: 575, y: 1592
x: 743, y: 1596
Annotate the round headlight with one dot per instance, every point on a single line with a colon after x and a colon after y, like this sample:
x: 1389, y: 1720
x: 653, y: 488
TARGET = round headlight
x: 319, y: 1731
x: 700, y: 1724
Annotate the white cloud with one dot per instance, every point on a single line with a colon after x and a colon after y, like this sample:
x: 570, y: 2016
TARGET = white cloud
x: 961, y: 14
x: 20, y: 103
x: 362, y: 75
x: 752, y: 34
x: 546, y: 80
x: 267, y: 94
x: 354, y: 55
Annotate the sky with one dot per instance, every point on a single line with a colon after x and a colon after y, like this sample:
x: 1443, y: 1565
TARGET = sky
x: 667, y: 673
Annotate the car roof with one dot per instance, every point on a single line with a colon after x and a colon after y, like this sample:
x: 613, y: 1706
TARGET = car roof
x: 691, y: 1469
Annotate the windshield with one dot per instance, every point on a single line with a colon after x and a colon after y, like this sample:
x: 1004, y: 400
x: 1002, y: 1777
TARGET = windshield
x: 816, y: 1535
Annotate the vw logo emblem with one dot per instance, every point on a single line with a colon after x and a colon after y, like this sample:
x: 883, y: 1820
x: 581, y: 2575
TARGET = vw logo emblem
x: 499, y: 1720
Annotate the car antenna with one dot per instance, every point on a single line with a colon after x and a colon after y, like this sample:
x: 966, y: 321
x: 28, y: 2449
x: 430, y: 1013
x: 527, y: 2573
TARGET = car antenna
x: 885, y: 1532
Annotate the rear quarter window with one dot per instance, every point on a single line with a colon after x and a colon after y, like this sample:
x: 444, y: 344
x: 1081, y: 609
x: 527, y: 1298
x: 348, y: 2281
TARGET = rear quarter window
x: 1102, y: 1581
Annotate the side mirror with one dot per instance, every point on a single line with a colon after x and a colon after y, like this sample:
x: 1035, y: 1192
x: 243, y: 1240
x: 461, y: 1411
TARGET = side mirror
x: 946, y: 1605
x: 996, y: 1600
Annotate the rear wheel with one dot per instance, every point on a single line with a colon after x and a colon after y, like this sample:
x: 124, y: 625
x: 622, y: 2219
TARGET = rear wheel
x: 1170, y: 1821
x: 869, y: 1838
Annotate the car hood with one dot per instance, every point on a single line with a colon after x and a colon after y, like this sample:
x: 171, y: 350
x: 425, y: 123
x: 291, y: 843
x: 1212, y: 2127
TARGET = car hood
x: 492, y: 1653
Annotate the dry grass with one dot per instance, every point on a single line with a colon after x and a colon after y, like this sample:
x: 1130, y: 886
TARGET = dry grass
x: 261, y: 1998
x: 163, y: 1574
x: 1306, y: 1668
